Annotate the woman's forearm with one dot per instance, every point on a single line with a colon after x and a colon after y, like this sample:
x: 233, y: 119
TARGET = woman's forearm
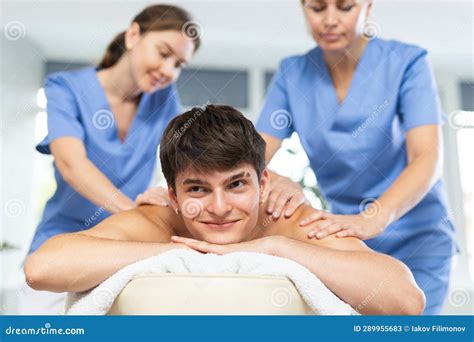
x: 370, y: 282
x: 409, y: 188
x: 76, y: 262
x: 91, y: 183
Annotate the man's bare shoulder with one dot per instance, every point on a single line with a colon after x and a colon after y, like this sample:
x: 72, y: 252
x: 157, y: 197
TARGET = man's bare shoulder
x: 146, y: 223
x: 289, y: 227
x: 165, y: 218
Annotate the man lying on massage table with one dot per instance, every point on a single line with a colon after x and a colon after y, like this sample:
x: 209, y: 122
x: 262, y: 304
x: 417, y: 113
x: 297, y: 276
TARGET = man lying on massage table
x: 214, y: 163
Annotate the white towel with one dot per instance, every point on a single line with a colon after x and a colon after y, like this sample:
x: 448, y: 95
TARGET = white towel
x: 319, y: 298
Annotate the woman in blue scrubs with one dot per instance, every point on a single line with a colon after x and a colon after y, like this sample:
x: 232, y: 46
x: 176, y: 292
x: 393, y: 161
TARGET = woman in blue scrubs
x: 368, y: 116
x: 105, y: 123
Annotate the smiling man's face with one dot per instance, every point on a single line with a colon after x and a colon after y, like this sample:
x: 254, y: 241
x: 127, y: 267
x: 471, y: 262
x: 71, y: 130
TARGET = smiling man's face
x: 221, y: 207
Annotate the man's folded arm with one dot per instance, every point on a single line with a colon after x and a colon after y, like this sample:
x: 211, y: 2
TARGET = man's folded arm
x: 75, y: 262
x: 371, y: 282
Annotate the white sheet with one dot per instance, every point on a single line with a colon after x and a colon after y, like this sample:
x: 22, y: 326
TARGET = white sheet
x: 319, y: 298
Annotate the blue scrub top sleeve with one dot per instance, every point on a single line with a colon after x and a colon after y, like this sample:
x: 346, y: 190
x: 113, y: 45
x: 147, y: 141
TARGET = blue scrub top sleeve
x: 276, y: 118
x: 419, y: 102
x: 62, y: 111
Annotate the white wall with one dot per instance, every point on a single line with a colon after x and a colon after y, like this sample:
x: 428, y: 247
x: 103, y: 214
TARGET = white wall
x: 21, y: 76
x: 461, y: 286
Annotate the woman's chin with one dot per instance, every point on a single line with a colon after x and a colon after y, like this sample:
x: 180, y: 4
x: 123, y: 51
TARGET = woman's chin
x: 333, y: 46
x: 340, y: 44
x: 149, y: 87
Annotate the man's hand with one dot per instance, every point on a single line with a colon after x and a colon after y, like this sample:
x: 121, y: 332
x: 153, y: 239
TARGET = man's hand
x: 263, y: 245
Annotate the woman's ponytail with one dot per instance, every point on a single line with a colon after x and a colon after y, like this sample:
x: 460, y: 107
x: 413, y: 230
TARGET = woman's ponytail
x: 114, y: 51
x: 152, y: 18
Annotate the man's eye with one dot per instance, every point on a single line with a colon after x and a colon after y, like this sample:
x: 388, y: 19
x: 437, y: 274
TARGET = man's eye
x: 237, y: 184
x: 196, y: 189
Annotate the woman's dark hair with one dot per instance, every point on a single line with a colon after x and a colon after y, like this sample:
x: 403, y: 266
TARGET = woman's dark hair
x: 210, y: 138
x: 152, y: 18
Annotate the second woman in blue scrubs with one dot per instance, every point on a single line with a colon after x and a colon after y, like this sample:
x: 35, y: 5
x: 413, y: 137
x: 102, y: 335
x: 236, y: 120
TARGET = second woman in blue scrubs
x: 105, y: 123
x: 368, y: 116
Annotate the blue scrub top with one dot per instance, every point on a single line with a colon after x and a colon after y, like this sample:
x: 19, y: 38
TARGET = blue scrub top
x: 357, y: 148
x: 77, y: 107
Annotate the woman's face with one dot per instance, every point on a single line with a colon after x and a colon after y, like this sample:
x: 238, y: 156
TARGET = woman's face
x: 157, y: 57
x: 220, y: 207
x: 336, y: 24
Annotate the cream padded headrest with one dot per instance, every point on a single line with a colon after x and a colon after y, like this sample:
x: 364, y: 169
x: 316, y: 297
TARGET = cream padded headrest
x: 209, y: 294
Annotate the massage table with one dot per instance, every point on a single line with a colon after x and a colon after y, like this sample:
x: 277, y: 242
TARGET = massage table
x: 209, y: 294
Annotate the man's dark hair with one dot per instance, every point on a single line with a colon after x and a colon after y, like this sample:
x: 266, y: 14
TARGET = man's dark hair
x: 210, y: 138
